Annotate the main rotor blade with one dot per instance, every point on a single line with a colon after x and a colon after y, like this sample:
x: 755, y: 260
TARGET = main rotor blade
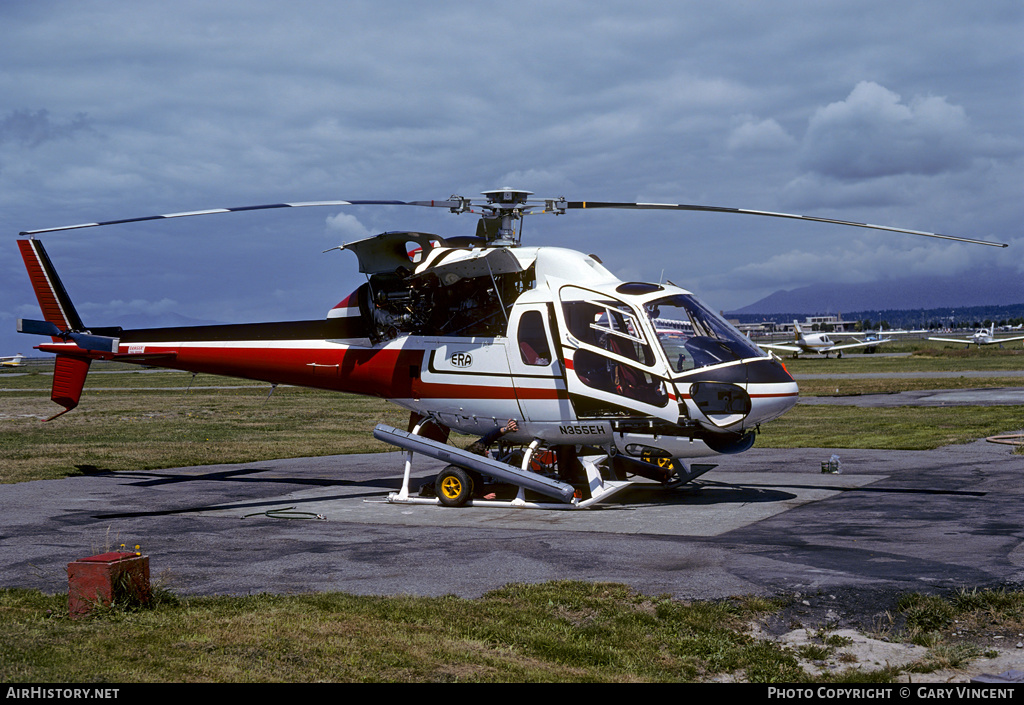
x: 716, y: 209
x: 450, y: 203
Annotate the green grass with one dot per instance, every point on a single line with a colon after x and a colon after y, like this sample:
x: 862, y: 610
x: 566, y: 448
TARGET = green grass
x: 897, y: 428
x: 133, y: 430
x: 556, y: 632
x: 961, y: 627
x: 143, y: 430
x: 924, y: 356
x: 847, y: 385
x: 566, y: 631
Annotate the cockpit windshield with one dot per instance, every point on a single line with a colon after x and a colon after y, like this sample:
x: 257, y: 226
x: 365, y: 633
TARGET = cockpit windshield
x: 694, y: 336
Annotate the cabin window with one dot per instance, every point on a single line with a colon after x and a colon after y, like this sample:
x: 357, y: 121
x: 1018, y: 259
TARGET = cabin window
x: 533, y: 340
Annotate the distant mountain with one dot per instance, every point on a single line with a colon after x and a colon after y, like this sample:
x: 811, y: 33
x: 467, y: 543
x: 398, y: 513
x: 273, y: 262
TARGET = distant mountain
x: 996, y: 286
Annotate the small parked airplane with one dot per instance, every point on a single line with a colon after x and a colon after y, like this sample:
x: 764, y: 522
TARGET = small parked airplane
x: 11, y: 360
x: 819, y: 343
x: 981, y: 337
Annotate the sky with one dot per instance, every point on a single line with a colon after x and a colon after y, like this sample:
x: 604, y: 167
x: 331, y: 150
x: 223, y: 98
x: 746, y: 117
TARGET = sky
x: 908, y: 114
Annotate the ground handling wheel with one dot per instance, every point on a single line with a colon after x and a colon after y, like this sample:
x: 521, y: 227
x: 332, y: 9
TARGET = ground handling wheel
x: 454, y: 486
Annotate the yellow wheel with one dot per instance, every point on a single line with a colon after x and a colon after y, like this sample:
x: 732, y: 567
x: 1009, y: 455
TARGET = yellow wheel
x: 454, y: 486
x: 659, y: 460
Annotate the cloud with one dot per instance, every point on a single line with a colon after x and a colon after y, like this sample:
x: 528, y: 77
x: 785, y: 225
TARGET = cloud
x: 34, y: 128
x: 873, y: 133
x: 754, y: 135
x: 117, y: 307
x: 859, y: 262
x: 831, y: 112
x: 348, y: 227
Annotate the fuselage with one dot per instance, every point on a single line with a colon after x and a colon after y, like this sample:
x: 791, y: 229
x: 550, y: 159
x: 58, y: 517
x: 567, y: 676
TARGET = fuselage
x: 472, y: 338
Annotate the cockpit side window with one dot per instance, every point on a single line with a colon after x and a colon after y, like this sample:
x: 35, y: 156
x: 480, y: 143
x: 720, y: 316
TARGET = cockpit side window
x: 610, y: 325
x: 600, y: 372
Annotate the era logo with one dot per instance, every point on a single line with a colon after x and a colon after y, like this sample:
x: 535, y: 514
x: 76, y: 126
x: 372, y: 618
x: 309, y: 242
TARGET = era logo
x: 461, y: 359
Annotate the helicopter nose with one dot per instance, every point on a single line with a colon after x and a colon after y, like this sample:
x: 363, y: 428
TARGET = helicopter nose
x: 772, y: 401
x: 722, y: 403
x: 735, y: 407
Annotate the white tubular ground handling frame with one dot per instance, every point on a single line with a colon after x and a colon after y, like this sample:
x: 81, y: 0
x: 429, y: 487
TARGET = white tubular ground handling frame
x: 600, y: 489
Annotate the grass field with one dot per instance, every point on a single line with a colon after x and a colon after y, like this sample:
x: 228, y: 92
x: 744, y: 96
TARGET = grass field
x: 569, y: 632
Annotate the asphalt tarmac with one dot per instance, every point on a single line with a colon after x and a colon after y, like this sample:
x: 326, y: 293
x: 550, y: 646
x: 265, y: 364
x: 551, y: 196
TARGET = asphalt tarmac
x: 763, y: 522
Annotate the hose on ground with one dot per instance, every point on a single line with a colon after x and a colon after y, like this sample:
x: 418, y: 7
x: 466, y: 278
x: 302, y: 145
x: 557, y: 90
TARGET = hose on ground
x: 286, y: 513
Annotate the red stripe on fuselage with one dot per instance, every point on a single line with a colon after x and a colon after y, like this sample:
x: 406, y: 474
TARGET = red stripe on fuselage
x: 383, y: 373
x: 388, y: 372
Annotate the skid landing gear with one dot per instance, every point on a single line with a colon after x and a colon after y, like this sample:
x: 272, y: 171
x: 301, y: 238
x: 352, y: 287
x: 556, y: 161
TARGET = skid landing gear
x: 455, y: 484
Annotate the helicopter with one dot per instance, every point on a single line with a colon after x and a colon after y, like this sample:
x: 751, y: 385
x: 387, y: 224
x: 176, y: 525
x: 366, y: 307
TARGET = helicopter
x: 609, y: 381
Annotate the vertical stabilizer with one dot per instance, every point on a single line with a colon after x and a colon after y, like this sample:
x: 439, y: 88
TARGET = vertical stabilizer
x: 53, y: 299
x: 798, y: 332
x: 68, y: 379
x: 68, y: 371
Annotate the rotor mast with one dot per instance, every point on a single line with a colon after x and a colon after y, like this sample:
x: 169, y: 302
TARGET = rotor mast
x: 507, y: 205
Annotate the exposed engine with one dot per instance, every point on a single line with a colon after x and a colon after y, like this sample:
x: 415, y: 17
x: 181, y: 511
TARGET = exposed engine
x: 404, y: 303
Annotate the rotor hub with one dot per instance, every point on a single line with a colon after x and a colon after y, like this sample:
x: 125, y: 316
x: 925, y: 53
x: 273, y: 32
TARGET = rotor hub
x: 506, y: 206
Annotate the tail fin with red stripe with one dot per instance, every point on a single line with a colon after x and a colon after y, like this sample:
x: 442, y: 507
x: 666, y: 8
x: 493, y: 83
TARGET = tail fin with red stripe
x: 53, y: 299
x: 62, y: 323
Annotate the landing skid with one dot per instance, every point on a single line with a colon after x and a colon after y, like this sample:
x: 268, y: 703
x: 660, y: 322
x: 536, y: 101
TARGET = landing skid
x: 695, y: 471
x: 563, y: 494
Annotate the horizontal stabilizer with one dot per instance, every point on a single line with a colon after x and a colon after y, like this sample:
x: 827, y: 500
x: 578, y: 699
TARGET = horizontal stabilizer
x: 99, y: 343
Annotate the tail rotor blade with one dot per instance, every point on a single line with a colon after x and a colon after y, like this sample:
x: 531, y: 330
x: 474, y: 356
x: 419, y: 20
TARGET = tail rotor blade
x: 31, y: 327
x: 86, y: 341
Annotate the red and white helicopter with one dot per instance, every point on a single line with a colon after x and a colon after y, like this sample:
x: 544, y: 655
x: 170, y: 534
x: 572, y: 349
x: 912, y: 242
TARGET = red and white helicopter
x: 608, y: 380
